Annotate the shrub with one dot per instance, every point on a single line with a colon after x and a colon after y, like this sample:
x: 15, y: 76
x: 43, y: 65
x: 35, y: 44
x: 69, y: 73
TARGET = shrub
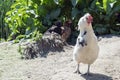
x: 31, y: 18
x: 4, y: 7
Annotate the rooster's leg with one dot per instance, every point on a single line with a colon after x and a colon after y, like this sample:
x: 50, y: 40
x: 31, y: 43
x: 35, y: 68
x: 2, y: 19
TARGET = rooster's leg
x: 77, y: 69
x: 88, y: 71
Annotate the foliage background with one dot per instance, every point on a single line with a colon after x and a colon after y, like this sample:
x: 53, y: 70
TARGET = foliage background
x: 29, y: 19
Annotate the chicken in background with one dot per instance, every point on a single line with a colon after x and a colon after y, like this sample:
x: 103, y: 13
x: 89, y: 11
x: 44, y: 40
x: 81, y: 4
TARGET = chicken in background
x: 60, y: 30
x: 56, y: 28
x: 55, y: 31
x: 66, y: 30
x: 86, y: 49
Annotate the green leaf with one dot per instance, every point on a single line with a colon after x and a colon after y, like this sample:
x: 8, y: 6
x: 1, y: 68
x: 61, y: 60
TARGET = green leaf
x: 55, y: 13
x: 115, y: 9
x: 100, y: 29
x: 74, y: 2
x: 93, y: 4
x: 36, y: 1
x: 105, y: 4
x: 56, y: 1
x: 112, y: 4
x: 29, y: 21
x: 8, y: 13
x: 97, y: 3
x: 20, y: 37
x: 28, y: 31
x: 114, y: 32
x: 16, y: 5
x: 75, y: 11
x: 41, y: 10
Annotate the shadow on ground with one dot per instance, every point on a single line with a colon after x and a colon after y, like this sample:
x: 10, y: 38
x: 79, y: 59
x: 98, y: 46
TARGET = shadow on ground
x: 108, y: 36
x: 96, y: 76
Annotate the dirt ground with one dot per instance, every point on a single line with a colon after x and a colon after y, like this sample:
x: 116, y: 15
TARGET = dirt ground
x: 59, y: 65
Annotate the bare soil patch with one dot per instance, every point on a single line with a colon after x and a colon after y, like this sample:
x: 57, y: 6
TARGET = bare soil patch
x: 59, y: 65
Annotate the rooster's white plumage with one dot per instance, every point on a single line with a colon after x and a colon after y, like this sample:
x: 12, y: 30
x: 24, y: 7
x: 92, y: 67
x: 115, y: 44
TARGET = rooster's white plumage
x: 86, y: 49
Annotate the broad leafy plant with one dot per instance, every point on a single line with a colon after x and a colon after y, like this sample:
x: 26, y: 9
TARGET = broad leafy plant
x: 104, y: 12
x: 31, y: 18
x: 23, y: 20
x: 27, y: 19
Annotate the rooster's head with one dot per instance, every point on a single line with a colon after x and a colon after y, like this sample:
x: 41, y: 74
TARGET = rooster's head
x: 86, y: 20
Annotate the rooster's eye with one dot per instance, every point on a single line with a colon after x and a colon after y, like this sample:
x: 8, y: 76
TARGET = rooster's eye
x: 86, y: 18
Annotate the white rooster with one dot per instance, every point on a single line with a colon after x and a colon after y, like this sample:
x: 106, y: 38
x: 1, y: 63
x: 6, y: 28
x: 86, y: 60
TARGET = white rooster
x: 86, y: 49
